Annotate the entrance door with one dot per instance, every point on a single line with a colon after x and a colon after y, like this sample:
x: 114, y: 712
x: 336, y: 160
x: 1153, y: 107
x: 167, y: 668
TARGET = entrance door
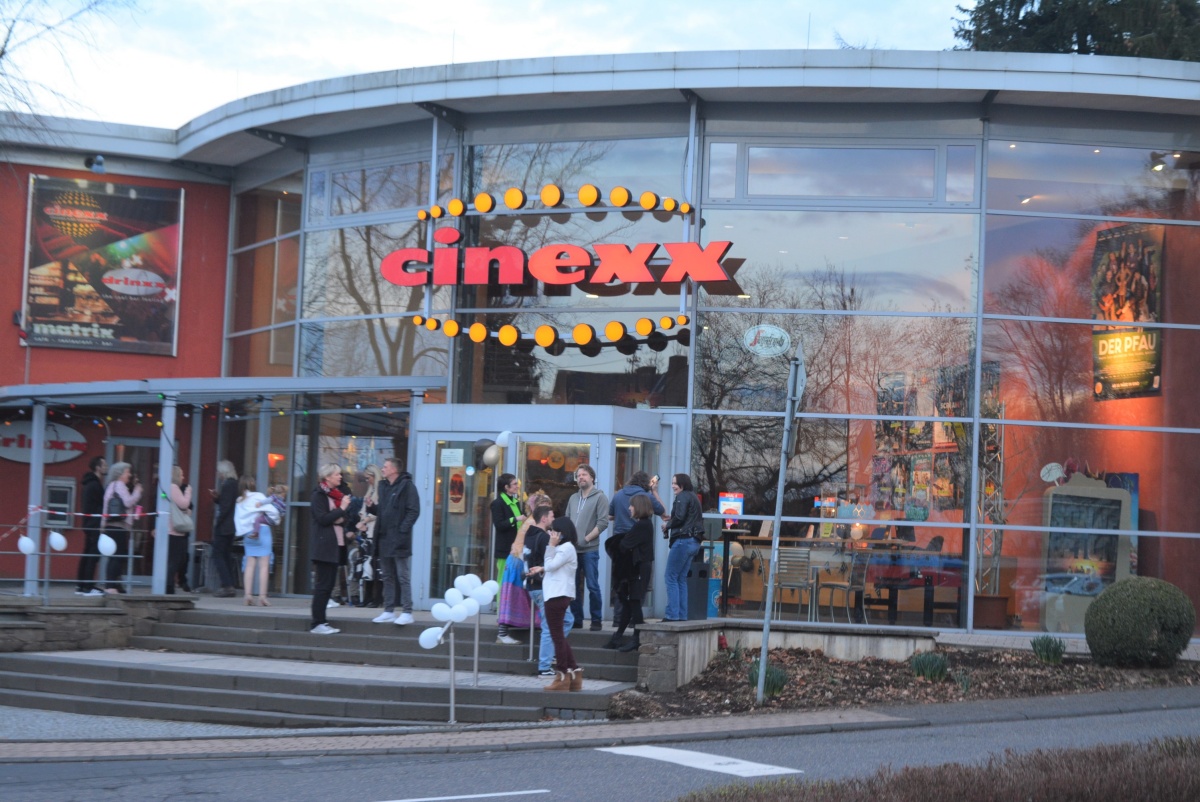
x: 142, y: 454
x: 550, y: 468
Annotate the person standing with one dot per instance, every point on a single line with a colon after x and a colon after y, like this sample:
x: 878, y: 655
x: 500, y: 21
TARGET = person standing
x: 536, y: 541
x: 119, y: 501
x: 510, y: 567
x: 91, y: 505
x: 252, y: 521
x: 328, y: 510
x: 182, y: 523
x: 558, y: 587
x: 587, y: 510
x: 396, y: 513
x: 633, y: 568
x: 225, y: 495
x: 640, y: 484
x: 685, y: 530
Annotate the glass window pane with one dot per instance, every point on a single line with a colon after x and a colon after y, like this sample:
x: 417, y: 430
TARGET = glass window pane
x: 909, y: 262
x: 1094, y: 374
x: 264, y: 214
x: 960, y: 173
x: 842, y: 172
x: 267, y: 353
x: 318, y: 182
x: 489, y: 372
x: 1159, y: 466
x: 530, y: 233
x: 722, y: 170
x: 372, y: 347
x: 1086, y: 179
x: 639, y: 165
x: 1085, y: 269
x: 386, y: 187
x: 342, y: 278
x: 1045, y: 581
x: 856, y: 462
x: 854, y: 364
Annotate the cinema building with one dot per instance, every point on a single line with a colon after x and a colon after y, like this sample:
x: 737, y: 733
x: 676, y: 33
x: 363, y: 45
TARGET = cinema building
x: 614, y: 261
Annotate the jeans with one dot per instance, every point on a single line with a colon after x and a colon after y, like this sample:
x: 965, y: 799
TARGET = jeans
x: 546, y: 649
x: 90, y: 560
x: 589, y: 568
x: 396, y: 571
x: 556, y: 610
x: 675, y: 579
x: 118, y: 561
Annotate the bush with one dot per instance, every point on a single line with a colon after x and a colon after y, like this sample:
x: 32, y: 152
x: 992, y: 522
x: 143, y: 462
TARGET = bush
x: 1139, y: 621
x: 1049, y: 650
x: 773, y: 682
x: 930, y: 665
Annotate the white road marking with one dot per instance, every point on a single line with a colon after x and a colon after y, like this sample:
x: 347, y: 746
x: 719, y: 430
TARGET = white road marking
x: 471, y: 796
x: 702, y: 760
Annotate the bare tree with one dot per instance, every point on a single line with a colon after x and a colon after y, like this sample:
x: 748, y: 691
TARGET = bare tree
x: 59, y: 25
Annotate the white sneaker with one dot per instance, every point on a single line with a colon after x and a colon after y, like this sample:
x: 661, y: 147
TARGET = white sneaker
x: 383, y: 618
x: 404, y: 618
x: 507, y: 639
x: 329, y: 605
x: 324, y: 629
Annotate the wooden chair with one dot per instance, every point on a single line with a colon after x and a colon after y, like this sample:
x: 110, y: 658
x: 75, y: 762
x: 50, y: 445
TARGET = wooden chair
x: 793, y: 572
x: 855, y: 582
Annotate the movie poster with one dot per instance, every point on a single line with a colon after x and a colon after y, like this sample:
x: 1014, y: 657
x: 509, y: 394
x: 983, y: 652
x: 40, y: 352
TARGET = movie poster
x: 1127, y: 284
x: 102, y: 269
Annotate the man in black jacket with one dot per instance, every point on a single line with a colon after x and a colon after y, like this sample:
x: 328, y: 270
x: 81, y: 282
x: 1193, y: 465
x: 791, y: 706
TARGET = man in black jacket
x: 397, y: 511
x: 91, y: 504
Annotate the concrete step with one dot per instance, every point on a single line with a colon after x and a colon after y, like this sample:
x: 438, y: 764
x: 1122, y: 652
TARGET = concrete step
x: 265, y: 700
x: 361, y: 642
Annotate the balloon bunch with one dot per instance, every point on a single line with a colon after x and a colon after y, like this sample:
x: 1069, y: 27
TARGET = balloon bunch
x: 56, y: 540
x: 463, y: 600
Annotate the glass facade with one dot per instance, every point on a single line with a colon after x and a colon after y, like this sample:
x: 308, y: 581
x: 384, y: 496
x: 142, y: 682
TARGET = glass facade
x: 998, y: 348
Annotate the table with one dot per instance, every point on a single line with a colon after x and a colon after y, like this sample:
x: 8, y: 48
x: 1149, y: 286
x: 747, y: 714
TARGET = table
x: 915, y: 569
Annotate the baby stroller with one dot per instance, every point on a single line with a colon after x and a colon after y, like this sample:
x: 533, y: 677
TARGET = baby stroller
x: 360, y: 571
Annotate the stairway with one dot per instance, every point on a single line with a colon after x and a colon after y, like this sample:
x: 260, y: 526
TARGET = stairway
x: 246, y: 671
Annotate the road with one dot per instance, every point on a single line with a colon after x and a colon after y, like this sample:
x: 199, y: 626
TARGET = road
x: 574, y: 774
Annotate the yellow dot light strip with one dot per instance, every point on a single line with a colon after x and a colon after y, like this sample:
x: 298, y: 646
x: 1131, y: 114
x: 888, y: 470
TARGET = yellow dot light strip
x: 553, y: 196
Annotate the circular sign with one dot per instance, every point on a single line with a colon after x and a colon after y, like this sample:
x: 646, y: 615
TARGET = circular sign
x: 555, y: 459
x: 766, y: 340
x: 61, y: 444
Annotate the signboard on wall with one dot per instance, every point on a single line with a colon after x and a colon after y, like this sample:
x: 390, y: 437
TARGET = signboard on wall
x: 61, y: 443
x: 102, y: 266
x: 1127, y: 276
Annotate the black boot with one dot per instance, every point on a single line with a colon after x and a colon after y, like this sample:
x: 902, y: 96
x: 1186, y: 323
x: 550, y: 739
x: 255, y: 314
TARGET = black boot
x: 633, y: 644
x: 615, y: 641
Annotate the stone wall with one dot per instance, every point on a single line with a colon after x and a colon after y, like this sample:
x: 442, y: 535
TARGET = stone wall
x: 28, y: 625
x: 672, y: 654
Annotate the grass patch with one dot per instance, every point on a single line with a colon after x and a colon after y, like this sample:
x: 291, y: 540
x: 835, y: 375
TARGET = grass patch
x: 1164, y: 771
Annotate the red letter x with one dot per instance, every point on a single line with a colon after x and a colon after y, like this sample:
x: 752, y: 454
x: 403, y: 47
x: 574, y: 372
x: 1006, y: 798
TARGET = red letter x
x: 688, y: 261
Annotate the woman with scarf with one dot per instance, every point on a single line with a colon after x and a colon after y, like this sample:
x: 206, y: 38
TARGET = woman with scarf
x: 119, y: 501
x: 510, y: 569
x: 326, y: 542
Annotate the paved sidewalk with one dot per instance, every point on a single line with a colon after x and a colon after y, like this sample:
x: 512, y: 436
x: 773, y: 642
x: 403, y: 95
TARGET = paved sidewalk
x: 268, y: 743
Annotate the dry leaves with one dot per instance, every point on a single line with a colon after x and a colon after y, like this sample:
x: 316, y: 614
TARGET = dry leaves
x: 816, y: 681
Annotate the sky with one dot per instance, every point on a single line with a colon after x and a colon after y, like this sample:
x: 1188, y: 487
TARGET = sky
x: 166, y: 62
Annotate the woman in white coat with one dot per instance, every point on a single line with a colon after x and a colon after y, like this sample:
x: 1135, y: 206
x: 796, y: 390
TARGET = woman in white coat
x: 558, y: 590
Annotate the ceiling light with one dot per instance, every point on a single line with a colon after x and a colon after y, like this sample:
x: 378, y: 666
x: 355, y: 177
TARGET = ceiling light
x: 1025, y: 198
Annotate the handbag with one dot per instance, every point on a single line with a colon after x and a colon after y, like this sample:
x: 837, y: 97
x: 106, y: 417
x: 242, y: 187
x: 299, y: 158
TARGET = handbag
x: 181, y: 520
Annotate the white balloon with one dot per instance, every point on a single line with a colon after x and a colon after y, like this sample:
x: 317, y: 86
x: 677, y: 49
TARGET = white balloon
x: 473, y: 581
x: 492, y: 585
x: 26, y: 545
x: 458, y: 613
x: 462, y: 585
x: 429, y: 638
x: 453, y: 596
x: 471, y: 605
x: 107, y: 546
x: 482, y: 595
x: 57, y: 541
x: 440, y: 611
x: 491, y: 456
